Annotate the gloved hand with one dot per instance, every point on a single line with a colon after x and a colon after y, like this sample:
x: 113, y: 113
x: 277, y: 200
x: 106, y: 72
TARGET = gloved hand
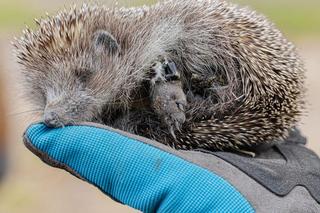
x: 149, y: 176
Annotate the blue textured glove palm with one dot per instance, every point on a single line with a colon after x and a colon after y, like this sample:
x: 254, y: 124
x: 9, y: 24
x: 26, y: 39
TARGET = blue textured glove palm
x: 133, y: 172
x: 152, y: 177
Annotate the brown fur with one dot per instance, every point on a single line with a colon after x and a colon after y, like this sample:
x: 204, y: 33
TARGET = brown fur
x: 243, y: 79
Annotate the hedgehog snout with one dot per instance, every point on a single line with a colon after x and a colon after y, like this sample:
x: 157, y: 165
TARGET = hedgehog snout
x: 56, y: 115
x: 51, y: 119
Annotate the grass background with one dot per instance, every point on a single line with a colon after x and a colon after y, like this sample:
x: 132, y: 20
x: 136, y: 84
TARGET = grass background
x: 296, y: 18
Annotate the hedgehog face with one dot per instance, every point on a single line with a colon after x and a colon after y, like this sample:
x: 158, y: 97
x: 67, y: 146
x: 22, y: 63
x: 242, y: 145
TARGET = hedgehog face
x: 64, y: 93
x: 73, y: 92
x: 71, y: 83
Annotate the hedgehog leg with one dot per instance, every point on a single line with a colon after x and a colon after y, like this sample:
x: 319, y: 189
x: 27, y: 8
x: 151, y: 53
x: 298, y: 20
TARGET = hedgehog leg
x: 167, y: 97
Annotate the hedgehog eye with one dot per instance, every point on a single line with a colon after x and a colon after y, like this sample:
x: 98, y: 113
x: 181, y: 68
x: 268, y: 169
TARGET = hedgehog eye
x: 104, y: 42
x: 84, y: 78
x: 83, y: 75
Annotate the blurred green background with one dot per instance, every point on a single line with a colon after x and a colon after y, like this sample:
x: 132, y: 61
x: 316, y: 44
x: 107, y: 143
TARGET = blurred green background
x: 294, y: 17
x: 30, y: 186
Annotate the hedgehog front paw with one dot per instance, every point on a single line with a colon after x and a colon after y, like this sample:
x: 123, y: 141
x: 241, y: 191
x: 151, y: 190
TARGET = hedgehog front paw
x: 169, y: 102
x: 168, y: 98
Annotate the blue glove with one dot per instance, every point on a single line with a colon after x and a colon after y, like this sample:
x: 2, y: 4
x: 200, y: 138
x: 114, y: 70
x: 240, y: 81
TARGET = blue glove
x: 152, y: 177
x: 132, y: 172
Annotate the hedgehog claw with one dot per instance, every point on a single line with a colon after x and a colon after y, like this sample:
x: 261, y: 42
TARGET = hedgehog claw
x: 177, y: 125
x: 172, y: 133
x: 180, y: 105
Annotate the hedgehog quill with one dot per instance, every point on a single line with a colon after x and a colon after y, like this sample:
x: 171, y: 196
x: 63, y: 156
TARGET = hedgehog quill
x: 188, y: 73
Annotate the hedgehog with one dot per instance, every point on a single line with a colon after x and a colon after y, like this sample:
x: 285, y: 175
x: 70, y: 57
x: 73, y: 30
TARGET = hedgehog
x: 191, y: 74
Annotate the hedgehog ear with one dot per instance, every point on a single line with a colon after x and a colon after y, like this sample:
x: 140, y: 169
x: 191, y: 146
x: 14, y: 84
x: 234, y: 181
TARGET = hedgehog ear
x: 104, y: 42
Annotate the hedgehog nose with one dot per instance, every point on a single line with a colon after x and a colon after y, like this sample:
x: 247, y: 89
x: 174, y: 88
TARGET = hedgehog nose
x: 51, y: 119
